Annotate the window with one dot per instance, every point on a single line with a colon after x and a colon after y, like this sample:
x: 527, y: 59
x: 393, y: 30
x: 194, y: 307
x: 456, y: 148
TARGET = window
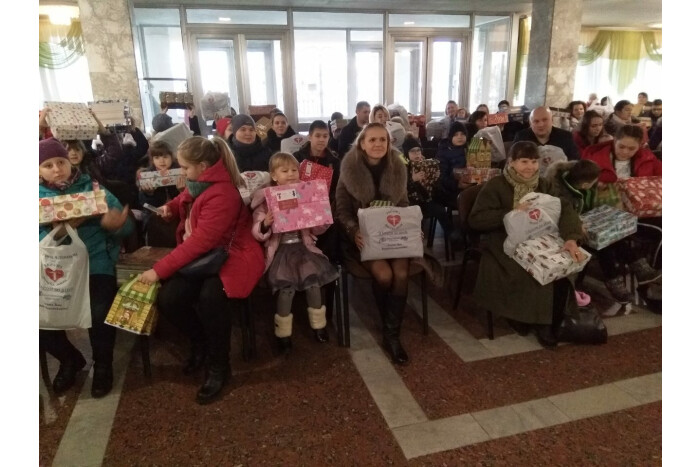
x: 268, y: 17
x: 489, y: 67
x: 428, y: 21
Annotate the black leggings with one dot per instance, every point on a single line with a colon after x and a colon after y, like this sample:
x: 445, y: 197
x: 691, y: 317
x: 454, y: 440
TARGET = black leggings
x: 200, y: 309
x: 103, y: 288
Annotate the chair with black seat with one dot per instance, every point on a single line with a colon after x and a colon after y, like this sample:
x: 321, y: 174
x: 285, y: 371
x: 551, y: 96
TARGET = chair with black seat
x: 465, y: 203
x: 432, y: 228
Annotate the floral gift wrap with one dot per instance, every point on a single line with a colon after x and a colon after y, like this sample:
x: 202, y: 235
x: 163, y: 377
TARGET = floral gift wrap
x: 299, y: 205
x: 641, y: 195
x: 543, y: 257
x: 71, y: 120
x: 160, y: 177
x: 476, y: 175
x: 71, y: 206
x: 606, y: 225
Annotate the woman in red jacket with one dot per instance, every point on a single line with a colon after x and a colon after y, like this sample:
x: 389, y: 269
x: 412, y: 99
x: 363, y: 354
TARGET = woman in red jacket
x: 211, y: 214
x: 623, y: 158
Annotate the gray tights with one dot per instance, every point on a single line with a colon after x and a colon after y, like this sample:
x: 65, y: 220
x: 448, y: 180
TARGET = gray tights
x: 285, y: 297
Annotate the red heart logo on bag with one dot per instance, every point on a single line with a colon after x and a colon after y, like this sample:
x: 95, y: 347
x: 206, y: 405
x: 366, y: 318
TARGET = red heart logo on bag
x: 393, y: 219
x: 250, y: 174
x: 298, y: 139
x: 54, y: 274
x: 534, y: 214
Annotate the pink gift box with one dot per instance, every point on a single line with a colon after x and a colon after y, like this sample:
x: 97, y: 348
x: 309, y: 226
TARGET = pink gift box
x: 299, y: 205
x: 641, y: 195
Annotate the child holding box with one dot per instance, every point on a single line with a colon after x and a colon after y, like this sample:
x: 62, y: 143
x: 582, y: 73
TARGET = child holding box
x: 293, y: 261
x: 101, y: 236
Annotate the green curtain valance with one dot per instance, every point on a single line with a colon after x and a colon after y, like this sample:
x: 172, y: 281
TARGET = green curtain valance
x: 60, y: 46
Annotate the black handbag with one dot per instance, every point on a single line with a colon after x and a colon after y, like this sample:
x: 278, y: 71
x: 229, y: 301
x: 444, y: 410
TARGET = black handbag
x: 586, y: 328
x: 210, y: 263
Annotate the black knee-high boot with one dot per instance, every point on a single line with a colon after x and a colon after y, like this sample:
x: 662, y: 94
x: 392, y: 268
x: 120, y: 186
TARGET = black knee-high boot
x: 380, y: 297
x: 395, y: 306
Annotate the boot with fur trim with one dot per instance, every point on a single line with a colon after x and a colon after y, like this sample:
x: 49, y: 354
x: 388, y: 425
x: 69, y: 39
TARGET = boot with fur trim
x: 283, y: 332
x: 317, y: 318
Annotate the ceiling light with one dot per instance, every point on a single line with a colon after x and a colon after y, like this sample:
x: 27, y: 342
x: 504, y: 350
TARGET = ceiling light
x: 408, y: 23
x: 60, y: 19
x: 224, y: 19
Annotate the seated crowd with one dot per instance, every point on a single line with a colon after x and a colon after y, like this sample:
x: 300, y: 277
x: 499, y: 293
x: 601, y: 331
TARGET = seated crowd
x: 377, y: 156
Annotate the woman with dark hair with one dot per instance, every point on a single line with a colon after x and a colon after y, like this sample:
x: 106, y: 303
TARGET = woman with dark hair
x: 373, y: 170
x: 280, y: 130
x: 591, y: 131
x: 576, y: 110
x: 479, y: 118
x: 502, y: 285
x: 621, y: 116
x: 624, y: 157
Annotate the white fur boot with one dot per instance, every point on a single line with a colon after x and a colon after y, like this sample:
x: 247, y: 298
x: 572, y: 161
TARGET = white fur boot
x: 317, y: 318
x: 283, y: 331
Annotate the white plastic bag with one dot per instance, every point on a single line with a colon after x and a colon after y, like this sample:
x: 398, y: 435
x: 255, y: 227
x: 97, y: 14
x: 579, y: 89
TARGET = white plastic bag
x: 64, y: 283
x: 391, y: 232
x: 253, y: 181
x: 542, y: 217
x: 550, y: 155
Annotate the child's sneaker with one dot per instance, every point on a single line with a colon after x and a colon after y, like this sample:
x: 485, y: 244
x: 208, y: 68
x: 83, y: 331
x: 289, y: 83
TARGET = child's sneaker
x: 644, y: 272
x: 618, y: 290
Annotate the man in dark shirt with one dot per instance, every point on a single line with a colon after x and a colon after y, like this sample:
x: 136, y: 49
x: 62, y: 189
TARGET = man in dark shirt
x: 542, y: 132
x: 349, y: 132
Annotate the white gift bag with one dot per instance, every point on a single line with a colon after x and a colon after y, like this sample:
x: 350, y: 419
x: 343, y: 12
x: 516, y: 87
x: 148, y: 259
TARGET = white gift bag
x: 391, y: 232
x: 541, y: 217
x: 293, y: 143
x: 64, y: 283
x: 253, y: 180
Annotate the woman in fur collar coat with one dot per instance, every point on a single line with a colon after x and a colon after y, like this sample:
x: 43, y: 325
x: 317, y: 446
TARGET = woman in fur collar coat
x: 373, y: 170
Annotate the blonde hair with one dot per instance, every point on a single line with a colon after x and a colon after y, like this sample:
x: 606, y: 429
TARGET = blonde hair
x: 375, y: 109
x: 279, y: 159
x: 197, y: 149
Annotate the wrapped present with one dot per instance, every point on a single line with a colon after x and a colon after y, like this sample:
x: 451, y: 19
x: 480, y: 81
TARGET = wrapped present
x: 257, y: 111
x: 74, y: 205
x: 176, y: 100
x: 431, y: 169
x: 313, y: 171
x: 158, y: 178
x: 497, y: 119
x: 139, y: 261
x: 253, y: 180
x: 215, y: 105
x: 391, y: 232
x: 475, y: 175
x: 541, y: 217
x: 479, y: 153
x: 293, y: 143
x: 262, y: 126
x: 606, y: 225
x: 544, y: 259
x: 299, y: 205
x: 71, y: 120
x: 112, y: 113
x: 173, y: 136
x: 133, y: 307
x: 641, y: 195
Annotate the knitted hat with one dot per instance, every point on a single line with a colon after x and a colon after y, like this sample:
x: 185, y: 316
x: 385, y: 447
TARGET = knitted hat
x: 409, y: 144
x: 221, y: 125
x: 161, y: 122
x: 241, y: 120
x: 49, y: 148
x: 457, y: 127
x: 397, y: 132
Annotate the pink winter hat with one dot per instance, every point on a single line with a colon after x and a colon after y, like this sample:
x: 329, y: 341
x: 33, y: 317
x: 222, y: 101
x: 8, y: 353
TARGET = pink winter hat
x: 51, y: 147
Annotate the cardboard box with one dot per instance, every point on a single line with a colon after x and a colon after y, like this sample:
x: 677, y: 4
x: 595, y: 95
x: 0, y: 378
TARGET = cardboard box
x: 299, y: 205
x: 606, y: 225
x: 72, y: 206
x: 391, y: 232
x: 160, y: 178
x: 176, y: 100
x: 262, y: 126
x: 173, y: 136
x: 479, y: 153
x: 70, y: 121
x: 112, y: 113
x: 641, y: 196
x: 133, y: 308
x: 497, y: 119
x: 545, y: 261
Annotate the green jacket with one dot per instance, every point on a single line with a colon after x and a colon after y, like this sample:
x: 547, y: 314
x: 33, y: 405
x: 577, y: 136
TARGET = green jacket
x: 503, y: 286
x: 581, y: 200
x: 102, y: 246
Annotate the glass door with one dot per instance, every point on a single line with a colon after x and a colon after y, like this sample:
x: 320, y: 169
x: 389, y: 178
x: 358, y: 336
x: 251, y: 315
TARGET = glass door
x: 217, y: 64
x: 445, y: 74
x: 366, y: 67
x: 409, y: 74
x: 264, y: 65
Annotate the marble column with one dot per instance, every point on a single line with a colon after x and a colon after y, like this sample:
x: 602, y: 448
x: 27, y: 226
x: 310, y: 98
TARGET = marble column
x: 109, y: 48
x: 551, y: 65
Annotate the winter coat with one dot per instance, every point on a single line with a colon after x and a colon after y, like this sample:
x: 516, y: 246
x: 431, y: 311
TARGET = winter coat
x: 356, y: 188
x: 644, y: 162
x: 121, y: 161
x: 274, y: 142
x: 581, y: 200
x: 103, y: 246
x: 215, y: 215
x: 330, y: 159
x: 582, y: 144
x: 347, y: 136
x: 450, y: 157
x: 272, y: 240
x: 253, y: 156
x: 558, y: 137
x: 502, y: 285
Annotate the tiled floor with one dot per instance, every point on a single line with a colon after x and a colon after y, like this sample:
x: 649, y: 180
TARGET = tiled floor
x: 463, y: 400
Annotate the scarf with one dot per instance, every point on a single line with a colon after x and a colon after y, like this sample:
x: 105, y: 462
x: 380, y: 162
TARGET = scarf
x: 196, y: 188
x: 521, y: 187
x: 75, y: 174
